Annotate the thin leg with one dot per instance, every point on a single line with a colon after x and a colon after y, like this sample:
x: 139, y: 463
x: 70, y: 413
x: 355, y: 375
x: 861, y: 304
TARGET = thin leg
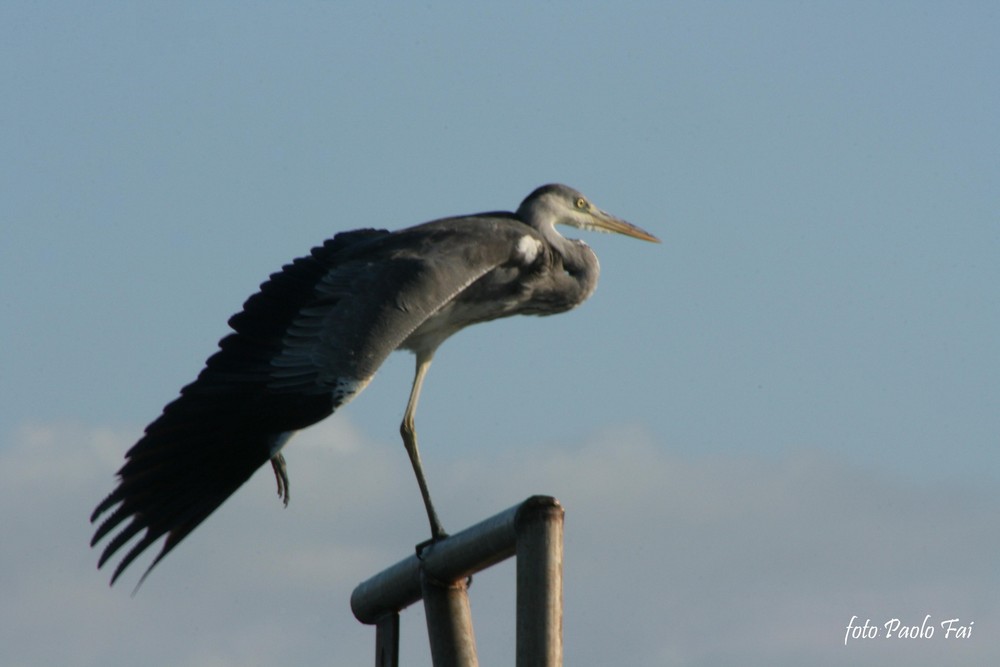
x: 409, y: 433
x: 281, y: 476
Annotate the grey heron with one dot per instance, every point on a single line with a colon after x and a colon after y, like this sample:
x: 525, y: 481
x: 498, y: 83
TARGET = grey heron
x: 313, y: 337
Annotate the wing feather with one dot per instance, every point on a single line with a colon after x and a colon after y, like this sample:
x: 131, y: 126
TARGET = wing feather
x: 324, y: 322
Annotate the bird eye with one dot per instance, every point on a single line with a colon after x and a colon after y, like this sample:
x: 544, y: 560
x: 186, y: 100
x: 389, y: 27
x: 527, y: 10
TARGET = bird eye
x: 581, y: 203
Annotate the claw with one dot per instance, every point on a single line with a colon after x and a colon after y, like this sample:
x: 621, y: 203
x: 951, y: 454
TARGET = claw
x: 427, y: 544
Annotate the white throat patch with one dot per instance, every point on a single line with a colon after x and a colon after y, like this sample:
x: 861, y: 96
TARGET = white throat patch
x: 528, y: 248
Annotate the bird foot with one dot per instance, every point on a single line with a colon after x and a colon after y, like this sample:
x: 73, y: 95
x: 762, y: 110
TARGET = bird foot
x: 281, y: 477
x: 422, y: 547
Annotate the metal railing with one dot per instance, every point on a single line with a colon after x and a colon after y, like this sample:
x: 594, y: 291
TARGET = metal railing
x: 532, y: 530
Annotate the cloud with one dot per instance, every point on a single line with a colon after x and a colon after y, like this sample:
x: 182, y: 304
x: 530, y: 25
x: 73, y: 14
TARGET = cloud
x: 736, y: 559
x: 669, y: 560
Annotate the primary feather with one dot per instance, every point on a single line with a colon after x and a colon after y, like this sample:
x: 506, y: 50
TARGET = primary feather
x: 313, y: 337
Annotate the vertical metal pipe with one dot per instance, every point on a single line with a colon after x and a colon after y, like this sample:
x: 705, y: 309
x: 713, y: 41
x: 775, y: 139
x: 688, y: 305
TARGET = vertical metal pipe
x: 387, y: 640
x: 533, y: 530
x: 449, y: 622
x: 539, y: 583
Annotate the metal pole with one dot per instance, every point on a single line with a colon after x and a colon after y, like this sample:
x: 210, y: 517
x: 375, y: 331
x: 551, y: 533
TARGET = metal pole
x: 533, y: 530
x: 449, y: 622
x: 539, y: 584
x: 387, y: 640
x: 456, y: 557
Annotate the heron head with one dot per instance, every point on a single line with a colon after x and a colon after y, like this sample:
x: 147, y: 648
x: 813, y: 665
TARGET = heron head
x: 556, y: 204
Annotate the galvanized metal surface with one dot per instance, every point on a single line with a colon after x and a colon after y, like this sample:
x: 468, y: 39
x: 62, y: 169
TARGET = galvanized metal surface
x: 457, y: 557
x: 449, y: 623
x: 533, y: 530
x: 539, y: 586
x: 387, y: 641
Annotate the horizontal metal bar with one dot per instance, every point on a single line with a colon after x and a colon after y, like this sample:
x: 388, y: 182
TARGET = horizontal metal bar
x: 456, y: 557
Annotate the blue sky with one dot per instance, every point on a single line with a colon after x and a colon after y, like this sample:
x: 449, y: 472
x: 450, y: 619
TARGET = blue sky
x: 793, y: 399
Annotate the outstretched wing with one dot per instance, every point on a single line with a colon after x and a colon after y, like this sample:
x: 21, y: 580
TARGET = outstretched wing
x: 307, y: 342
